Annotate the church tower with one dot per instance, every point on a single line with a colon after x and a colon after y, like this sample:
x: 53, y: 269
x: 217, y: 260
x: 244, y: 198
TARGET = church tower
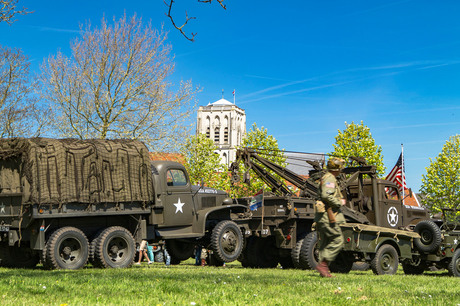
x: 225, y: 123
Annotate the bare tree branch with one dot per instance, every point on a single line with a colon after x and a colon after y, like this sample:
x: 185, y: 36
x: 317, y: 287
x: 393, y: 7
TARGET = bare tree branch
x: 8, y: 11
x: 116, y: 85
x: 18, y: 104
x: 190, y: 37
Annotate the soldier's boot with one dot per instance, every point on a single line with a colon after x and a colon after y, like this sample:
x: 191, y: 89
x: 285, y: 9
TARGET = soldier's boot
x: 323, y: 269
x: 203, y: 262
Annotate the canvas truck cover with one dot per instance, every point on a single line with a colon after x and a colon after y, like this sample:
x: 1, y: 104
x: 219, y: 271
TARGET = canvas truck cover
x: 59, y: 171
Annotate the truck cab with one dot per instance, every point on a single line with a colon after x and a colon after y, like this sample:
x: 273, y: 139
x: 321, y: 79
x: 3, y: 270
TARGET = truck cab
x: 379, y: 200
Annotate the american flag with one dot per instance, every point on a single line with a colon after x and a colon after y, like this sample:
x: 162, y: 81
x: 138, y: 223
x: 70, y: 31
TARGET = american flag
x: 397, y: 175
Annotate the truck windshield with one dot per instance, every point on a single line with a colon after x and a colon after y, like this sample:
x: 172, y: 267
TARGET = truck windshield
x: 176, y: 177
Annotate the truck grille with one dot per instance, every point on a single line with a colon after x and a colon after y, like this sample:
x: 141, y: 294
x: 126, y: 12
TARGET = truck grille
x: 208, y: 202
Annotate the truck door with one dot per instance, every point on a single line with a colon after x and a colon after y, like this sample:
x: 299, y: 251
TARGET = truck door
x: 391, y: 213
x: 178, y: 201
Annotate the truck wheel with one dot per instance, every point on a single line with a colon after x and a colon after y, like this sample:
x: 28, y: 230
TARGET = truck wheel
x: 174, y: 260
x: 342, y: 263
x: 309, y: 251
x: 180, y: 249
x: 226, y: 241
x: 92, y: 247
x: 66, y: 248
x: 251, y: 253
x: 385, y: 261
x: 159, y: 256
x: 286, y: 262
x: 14, y: 257
x: 454, y: 264
x: 430, y: 236
x: 412, y: 269
x: 360, y: 266
x: 244, y: 256
x: 211, y: 260
x: 295, y: 253
x: 115, y: 248
x: 266, y: 255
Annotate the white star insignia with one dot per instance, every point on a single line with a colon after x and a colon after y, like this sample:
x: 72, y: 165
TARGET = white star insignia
x: 2, y: 208
x: 393, y: 216
x: 455, y: 241
x: 179, y: 206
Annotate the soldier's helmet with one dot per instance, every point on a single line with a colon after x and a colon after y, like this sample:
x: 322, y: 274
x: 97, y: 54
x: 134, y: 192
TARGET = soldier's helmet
x: 335, y: 163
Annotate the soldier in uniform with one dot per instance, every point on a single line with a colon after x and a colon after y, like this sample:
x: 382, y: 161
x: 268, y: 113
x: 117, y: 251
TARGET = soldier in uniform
x: 328, y: 216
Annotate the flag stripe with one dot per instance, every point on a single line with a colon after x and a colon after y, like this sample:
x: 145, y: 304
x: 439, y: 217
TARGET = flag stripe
x: 397, y: 176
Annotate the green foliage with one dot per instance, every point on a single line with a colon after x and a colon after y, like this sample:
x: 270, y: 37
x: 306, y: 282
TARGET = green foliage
x: 186, y: 284
x: 441, y: 184
x: 356, y: 140
x: 259, y: 139
x: 201, y: 161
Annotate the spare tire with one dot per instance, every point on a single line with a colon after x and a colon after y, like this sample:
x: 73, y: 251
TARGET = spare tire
x: 430, y: 236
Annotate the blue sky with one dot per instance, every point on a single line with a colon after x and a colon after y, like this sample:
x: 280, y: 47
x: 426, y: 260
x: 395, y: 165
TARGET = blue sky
x: 300, y: 68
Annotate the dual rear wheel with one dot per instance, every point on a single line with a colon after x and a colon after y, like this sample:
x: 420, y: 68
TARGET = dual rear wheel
x: 68, y: 248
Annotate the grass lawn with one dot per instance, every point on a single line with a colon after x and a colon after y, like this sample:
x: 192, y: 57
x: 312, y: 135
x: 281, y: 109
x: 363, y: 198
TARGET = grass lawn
x: 187, y: 284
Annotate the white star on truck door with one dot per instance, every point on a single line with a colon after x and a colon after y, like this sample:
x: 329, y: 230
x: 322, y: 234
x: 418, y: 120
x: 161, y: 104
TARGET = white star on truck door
x: 179, y: 206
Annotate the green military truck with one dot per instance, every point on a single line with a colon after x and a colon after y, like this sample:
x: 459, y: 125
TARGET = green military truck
x: 382, y: 248
x: 438, y: 246
x: 68, y: 201
x: 280, y: 231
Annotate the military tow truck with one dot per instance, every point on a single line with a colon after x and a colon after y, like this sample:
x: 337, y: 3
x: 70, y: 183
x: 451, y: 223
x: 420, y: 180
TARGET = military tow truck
x: 67, y: 201
x: 379, y: 228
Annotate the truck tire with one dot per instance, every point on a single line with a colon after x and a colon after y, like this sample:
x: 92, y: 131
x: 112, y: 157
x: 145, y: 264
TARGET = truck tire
x: 159, y: 256
x: 360, y: 266
x: 244, y: 256
x: 265, y: 254
x: 286, y: 262
x: 92, y: 247
x: 309, y: 251
x: 385, y: 261
x: 295, y: 253
x: 226, y: 241
x: 174, y: 260
x: 212, y: 261
x: 410, y: 268
x: 342, y: 263
x: 115, y: 248
x: 180, y: 249
x: 251, y: 252
x: 14, y: 257
x: 66, y: 248
x: 454, y: 264
x: 430, y: 236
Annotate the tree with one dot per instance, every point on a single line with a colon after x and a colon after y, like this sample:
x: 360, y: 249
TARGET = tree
x: 441, y: 183
x: 191, y: 37
x: 116, y: 85
x: 356, y: 140
x: 201, y: 161
x: 260, y: 140
x: 20, y: 114
x: 8, y: 10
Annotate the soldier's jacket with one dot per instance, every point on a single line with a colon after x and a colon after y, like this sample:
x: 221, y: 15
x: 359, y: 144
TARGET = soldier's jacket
x: 331, y: 196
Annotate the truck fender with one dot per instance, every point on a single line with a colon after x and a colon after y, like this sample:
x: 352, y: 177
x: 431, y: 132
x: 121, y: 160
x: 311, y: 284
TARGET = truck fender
x: 224, y: 211
x: 387, y: 240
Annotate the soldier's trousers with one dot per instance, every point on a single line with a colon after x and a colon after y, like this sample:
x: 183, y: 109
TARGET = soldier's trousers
x: 330, y: 241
